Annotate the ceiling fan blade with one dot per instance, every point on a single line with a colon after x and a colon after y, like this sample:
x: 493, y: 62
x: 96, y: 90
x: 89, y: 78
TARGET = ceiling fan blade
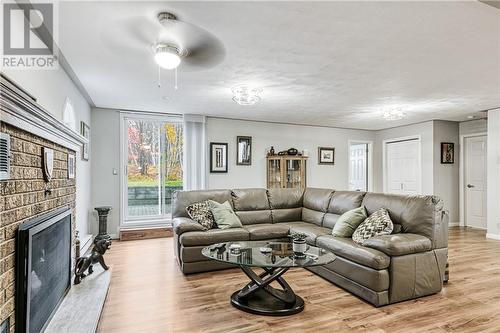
x: 204, y: 50
x: 131, y: 37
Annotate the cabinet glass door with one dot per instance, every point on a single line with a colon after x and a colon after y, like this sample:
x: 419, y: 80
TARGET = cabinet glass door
x: 274, y: 173
x: 293, y: 173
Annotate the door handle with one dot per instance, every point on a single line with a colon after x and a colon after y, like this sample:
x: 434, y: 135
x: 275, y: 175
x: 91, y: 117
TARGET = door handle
x: 470, y: 186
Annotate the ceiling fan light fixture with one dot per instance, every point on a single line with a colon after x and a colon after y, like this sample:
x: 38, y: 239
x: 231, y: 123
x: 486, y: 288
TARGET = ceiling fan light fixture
x: 394, y: 114
x: 245, y: 95
x: 167, y: 56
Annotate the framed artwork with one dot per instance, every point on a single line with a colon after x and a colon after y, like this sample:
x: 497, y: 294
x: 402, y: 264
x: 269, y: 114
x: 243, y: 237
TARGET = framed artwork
x: 218, y: 157
x: 85, y: 132
x: 71, y: 166
x: 326, y: 155
x: 244, y: 150
x: 447, y: 153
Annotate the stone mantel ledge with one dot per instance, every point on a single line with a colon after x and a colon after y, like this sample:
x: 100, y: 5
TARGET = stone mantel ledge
x: 20, y: 109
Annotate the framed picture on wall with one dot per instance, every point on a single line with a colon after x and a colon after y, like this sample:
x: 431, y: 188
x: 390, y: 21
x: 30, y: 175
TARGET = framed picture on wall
x: 447, y: 153
x: 326, y: 155
x: 85, y: 132
x: 71, y: 166
x: 244, y: 150
x: 218, y: 157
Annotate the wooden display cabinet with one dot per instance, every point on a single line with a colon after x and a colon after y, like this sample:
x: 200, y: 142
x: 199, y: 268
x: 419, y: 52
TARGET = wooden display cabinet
x: 286, y: 171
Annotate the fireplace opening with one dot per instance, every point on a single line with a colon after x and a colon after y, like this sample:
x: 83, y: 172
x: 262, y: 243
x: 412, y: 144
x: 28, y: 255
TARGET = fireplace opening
x: 43, y: 269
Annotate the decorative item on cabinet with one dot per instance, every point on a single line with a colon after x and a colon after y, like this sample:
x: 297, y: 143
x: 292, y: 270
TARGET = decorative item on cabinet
x: 271, y: 151
x: 286, y: 171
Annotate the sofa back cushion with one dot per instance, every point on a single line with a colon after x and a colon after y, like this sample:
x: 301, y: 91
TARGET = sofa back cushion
x: 252, y: 205
x: 286, y: 204
x: 315, y: 204
x: 341, y: 202
x: 417, y: 214
x: 182, y: 199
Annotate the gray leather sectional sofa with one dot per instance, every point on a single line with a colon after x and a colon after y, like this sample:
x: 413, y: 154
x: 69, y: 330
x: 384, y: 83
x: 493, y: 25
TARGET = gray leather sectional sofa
x: 407, y: 264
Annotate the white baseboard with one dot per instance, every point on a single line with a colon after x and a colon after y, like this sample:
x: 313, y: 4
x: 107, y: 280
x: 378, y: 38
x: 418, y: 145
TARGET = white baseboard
x: 493, y: 236
x: 454, y: 224
x: 114, y: 236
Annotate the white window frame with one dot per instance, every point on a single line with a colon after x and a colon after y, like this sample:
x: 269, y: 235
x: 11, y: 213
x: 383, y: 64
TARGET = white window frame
x: 127, y: 222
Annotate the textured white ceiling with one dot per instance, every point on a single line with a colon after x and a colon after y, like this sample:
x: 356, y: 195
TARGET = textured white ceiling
x: 320, y: 63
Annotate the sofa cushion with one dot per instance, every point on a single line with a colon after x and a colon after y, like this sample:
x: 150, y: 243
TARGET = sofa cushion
x: 348, y: 222
x: 267, y: 230
x: 200, y: 212
x: 317, y: 199
x: 286, y: 204
x: 312, y: 216
x: 341, y: 202
x: 224, y: 215
x: 399, y: 244
x: 182, y: 199
x: 286, y: 214
x: 252, y: 205
x: 346, y: 248
x: 212, y: 236
x: 312, y: 231
x: 250, y: 199
x: 379, y: 223
x: 281, y: 198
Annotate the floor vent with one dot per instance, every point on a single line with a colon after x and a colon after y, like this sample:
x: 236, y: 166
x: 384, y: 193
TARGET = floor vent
x: 4, y: 156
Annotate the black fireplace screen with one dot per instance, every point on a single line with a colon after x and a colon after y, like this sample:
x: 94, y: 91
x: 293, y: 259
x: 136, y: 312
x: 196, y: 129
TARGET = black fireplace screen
x: 46, y: 248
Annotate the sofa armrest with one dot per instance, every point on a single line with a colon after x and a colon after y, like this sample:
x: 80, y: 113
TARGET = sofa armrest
x: 399, y: 244
x: 184, y: 224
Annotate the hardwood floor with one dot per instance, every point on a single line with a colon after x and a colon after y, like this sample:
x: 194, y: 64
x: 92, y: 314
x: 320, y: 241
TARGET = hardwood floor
x: 148, y: 293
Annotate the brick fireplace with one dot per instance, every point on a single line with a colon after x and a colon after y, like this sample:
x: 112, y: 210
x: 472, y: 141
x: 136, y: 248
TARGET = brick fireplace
x: 24, y: 194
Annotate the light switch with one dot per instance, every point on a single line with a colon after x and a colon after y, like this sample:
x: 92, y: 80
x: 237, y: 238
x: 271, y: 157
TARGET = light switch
x: 115, y: 172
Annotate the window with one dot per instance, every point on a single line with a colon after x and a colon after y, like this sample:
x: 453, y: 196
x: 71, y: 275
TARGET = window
x: 153, y: 149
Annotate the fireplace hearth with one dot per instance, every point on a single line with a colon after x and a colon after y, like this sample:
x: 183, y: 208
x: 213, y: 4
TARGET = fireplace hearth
x: 43, y: 268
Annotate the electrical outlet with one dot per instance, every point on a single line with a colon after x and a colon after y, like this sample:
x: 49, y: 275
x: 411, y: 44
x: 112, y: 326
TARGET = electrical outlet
x: 115, y: 172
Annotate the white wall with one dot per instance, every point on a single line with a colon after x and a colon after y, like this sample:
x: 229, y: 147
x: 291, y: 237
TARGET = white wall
x: 446, y: 180
x: 493, y: 174
x: 105, y: 152
x: 425, y: 131
x: 282, y: 136
x: 50, y: 88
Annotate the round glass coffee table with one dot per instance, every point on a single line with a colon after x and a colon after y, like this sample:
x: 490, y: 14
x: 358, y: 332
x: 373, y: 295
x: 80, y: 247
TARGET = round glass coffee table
x: 275, y: 258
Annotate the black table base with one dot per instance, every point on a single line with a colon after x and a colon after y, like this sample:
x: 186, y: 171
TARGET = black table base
x: 258, y: 297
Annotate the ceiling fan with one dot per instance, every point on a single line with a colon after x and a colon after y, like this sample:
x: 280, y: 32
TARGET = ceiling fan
x: 172, y: 43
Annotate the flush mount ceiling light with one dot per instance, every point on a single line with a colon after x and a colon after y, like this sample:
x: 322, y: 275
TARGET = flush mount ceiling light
x: 394, y: 114
x: 246, y: 95
x: 167, y: 56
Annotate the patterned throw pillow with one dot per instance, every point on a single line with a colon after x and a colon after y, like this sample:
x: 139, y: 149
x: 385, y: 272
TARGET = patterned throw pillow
x: 379, y: 223
x: 200, y: 212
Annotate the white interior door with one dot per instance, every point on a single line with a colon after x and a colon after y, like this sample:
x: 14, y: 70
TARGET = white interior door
x: 475, y: 182
x: 403, y: 167
x: 358, y: 169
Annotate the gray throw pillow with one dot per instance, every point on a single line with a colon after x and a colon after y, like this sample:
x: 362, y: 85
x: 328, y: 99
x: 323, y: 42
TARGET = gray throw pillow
x: 200, y: 212
x: 379, y: 223
x: 348, y: 222
x: 224, y: 215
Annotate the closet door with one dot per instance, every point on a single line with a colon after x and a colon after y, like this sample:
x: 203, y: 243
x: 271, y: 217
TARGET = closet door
x: 403, y: 167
